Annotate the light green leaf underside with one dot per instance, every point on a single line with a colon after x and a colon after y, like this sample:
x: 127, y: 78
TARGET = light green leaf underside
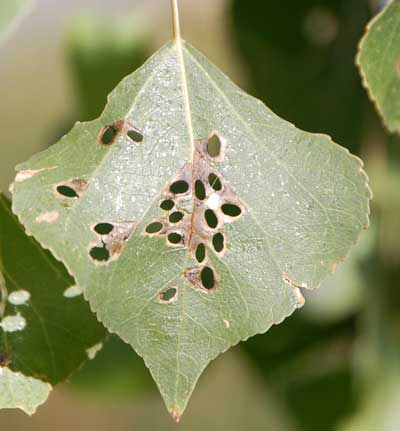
x: 379, y: 62
x: 11, y: 11
x: 20, y: 392
x: 306, y: 201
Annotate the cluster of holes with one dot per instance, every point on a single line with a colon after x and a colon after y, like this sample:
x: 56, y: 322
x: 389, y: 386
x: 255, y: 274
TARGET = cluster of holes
x: 112, y: 237
x: 109, y: 134
x: 214, y: 203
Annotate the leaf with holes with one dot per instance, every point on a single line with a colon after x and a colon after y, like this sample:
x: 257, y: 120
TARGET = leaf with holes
x: 379, y: 62
x: 46, y: 328
x: 11, y: 11
x: 191, y: 215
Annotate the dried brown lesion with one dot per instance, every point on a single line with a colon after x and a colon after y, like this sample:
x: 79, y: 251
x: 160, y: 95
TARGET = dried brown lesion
x: 198, y: 227
x: 112, y: 237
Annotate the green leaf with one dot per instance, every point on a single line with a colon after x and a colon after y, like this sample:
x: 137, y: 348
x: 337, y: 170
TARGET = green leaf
x: 20, y: 392
x: 379, y: 62
x: 288, y: 206
x: 45, y: 331
x: 11, y: 11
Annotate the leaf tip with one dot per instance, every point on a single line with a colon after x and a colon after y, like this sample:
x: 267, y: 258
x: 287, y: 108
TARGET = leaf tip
x: 176, y: 415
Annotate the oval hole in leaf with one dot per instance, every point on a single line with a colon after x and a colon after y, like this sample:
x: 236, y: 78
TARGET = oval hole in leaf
x: 231, y: 210
x: 109, y: 135
x: 200, y: 252
x: 101, y: 254
x: 214, y: 146
x: 176, y: 217
x: 179, y: 187
x: 218, y: 242
x: 67, y: 191
x: 207, y: 278
x: 103, y: 228
x: 135, y: 135
x: 200, y: 190
x: 215, y: 182
x: 211, y: 218
x: 167, y: 205
x: 175, y: 238
x: 169, y: 294
x: 154, y: 227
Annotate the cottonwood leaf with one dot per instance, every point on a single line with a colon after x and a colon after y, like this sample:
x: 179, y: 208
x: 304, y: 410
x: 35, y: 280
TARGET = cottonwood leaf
x: 379, y: 62
x: 47, y: 330
x: 191, y: 215
x: 20, y: 392
x: 11, y: 12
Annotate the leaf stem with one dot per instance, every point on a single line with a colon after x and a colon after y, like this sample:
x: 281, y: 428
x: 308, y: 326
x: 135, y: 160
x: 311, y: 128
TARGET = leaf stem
x: 175, y: 20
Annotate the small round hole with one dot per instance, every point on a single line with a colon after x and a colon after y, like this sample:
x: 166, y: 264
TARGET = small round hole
x: 214, y: 146
x: 135, y: 136
x: 101, y: 254
x: 207, y: 278
x: 179, y: 187
x: 67, y: 192
x: 200, y: 253
x: 175, y: 238
x: 109, y: 135
x: 154, y: 227
x: 215, y: 182
x: 103, y: 228
x: 176, y: 217
x: 211, y: 218
x: 169, y: 294
x: 200, y: 190
x: 167, y: 205
x: 218, y: 242
x: 231, y: 210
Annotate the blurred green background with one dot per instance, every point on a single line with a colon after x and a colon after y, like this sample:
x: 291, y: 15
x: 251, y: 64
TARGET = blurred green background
x: 334, y: 365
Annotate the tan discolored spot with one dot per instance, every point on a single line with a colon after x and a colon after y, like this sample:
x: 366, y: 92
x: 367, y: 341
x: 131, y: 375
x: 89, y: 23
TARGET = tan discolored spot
x: 300, y: 300
x: 49, y: 217
x: 29, y: 173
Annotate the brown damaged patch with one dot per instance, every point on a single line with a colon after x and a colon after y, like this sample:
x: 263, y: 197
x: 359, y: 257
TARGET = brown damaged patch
x: 72, y: 188
x: 169, y: 295
x: 300, y: 300
x: 194, y: 277
x: 111, y: 244
x: 208, y: 193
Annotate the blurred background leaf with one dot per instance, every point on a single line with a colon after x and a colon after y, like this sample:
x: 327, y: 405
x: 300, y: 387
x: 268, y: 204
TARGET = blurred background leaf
x: 11, y: 13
